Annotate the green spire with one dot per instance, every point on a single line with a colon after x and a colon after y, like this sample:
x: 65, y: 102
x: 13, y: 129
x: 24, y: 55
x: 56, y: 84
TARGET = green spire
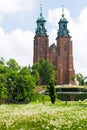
x: 63, y: 31
x: 40, y: 30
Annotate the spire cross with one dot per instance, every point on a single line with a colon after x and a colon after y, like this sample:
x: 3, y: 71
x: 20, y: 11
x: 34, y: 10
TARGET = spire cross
x: 62, y: 10
x: 40, y: 9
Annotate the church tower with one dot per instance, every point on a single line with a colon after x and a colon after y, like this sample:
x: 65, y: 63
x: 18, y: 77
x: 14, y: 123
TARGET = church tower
x: 41, y: 42
x: 60, y: 55
x: 65, y: 68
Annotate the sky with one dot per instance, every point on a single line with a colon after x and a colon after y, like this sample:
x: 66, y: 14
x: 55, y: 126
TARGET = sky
x: 18, y: 23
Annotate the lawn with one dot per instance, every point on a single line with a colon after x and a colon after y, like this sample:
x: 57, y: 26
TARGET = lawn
x: 39, y: 116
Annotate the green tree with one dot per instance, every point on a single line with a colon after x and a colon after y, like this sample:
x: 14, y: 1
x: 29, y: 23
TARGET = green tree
x: 12, y: 69
x: 12, y: 83
x: 3, y: 80
x: 13, y: 64
x: 3, y: 89
x: 2, y: 61
x: 35, y: 74
x: 16, y: 82
x: 80, y: 78
x: 2, y: 66
x: 52, y: 91
x: 46, y: 71
x: 25, y: 85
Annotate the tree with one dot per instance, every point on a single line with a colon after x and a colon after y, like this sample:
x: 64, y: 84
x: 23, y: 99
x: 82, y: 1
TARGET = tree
x: 35, y: 74
x: 2, y: 61
x: 20, y: 83
x: 13, y: 64
x: 3, y: 89
x: 16, y: 82
x: 12, y: 76
x: 3, y: 80
x: 46, y: 71
x: 80, y: 79
x: 25, y: 85
x: 11, y: 71
x: 52, y: 91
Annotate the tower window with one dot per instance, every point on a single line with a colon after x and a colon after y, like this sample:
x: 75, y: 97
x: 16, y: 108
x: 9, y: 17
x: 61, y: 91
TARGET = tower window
x: 65, y: 48
x: 42, y: 49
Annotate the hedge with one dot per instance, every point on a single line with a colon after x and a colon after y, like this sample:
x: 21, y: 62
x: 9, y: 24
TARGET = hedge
x: 66, y: 97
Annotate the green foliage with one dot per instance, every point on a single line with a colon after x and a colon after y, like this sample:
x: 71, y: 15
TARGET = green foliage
x: 52, y: 91
x: 13, y: 64
x: 11, y: 76
x: 35, y: 74
x: 77, y: 97
x: 2, y: 62
x: 80, y: 78
x: 26, y: 84
x: 3, y: 89
x: 3, y: 92
x: 46, y: 71
x: 16, y: 83
x: 24, y: 71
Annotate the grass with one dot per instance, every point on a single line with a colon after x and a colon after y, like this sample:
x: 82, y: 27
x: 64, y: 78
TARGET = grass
x: 39, y: 116
x: 40, y: 88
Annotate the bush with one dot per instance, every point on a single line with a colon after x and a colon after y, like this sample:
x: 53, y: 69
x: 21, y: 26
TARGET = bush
x: 52, y: 91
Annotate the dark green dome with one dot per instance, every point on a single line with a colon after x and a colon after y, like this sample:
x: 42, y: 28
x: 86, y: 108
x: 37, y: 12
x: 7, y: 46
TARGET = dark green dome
x: 63, y: 31
x: 40, y: 30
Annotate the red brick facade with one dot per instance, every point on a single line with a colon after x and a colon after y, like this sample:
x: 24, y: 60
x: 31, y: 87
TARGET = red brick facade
x: 41, y: 44
x: 60, y: 55
x: 65, y: 68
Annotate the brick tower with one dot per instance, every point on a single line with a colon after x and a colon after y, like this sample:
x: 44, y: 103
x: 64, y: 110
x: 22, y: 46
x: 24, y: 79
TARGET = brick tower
x: 65, y: 69
x: 41, y: 42
x: 60, y: 55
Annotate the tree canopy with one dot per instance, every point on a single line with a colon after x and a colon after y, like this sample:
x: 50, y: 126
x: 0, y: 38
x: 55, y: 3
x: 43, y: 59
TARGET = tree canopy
x: 16, y: 82
x: 46, y: 71
x: 82, y: 80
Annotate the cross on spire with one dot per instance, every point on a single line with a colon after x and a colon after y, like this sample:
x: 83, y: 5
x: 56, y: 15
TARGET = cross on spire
x: 62, y: 10
x: 41, y: 10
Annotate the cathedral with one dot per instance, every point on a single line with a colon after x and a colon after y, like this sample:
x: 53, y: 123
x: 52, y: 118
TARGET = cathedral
x: 59, y: 54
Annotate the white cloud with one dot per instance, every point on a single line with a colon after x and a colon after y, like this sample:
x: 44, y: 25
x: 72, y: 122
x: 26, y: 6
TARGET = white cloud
x: 52, y: 36
x: 17, y: 45
x: 55, y: 15
x: 78, y: 31
x: 15, y: 6
x: 1, y: 18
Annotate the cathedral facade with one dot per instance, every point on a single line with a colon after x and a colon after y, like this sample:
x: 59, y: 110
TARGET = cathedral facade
x: 59, y: 54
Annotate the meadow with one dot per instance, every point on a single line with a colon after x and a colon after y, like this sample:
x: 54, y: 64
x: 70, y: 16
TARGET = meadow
x: 39, y: 116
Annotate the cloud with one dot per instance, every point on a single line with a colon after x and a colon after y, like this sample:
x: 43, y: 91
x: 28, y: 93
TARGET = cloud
x: 55, y: 15
x: 17, y: 45
x: 52, y: 36
x: 78, y: 31
x: 16, y: 6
